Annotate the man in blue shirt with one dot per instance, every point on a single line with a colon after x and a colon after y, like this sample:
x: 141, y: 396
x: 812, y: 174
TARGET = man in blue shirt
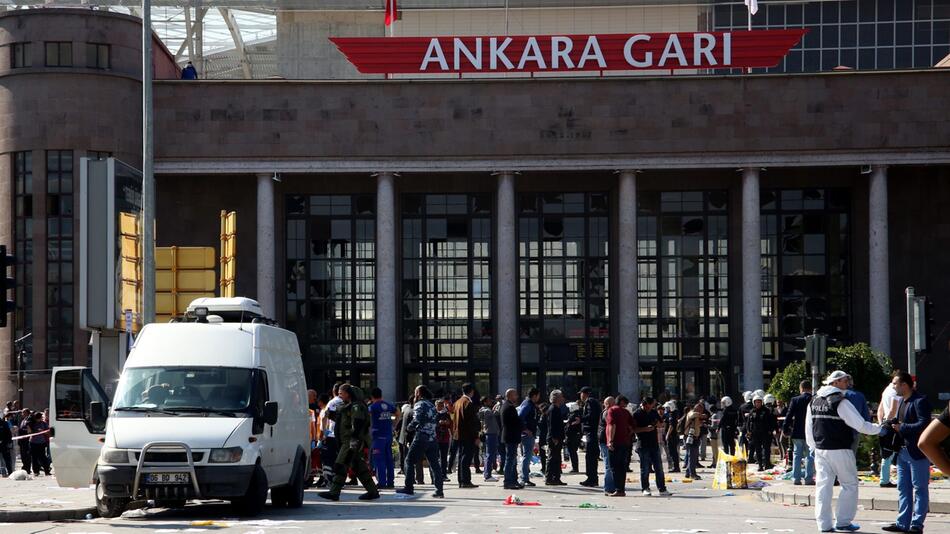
x: 861, y: 405
x: 913, y: 467
x: 381, y: 414
x: 528, y: 414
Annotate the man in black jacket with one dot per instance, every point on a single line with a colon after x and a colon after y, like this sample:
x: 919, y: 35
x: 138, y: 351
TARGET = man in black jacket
x: 554, y: 421
x: 511, y: 437
x: 590, y: 421
x: 794, y: 427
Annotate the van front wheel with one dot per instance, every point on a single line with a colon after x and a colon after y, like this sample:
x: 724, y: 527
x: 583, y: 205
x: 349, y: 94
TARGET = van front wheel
x: 252, y: 503
x: 109, y: 507
x: 291, y: 495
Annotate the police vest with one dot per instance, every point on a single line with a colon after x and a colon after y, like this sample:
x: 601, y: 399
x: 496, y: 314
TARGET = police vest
x: 830, y: 430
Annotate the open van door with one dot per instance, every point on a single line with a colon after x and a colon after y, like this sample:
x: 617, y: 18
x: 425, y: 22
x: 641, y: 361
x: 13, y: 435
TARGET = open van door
x: 75, y: 432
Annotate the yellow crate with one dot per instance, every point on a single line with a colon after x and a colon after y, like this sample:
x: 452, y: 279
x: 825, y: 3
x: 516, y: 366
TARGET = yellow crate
x: 196, y: 280
x: 185, y: 257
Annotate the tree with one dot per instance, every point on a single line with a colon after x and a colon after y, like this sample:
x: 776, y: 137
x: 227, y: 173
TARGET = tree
x: 784, y: 384
x: 869, y: 370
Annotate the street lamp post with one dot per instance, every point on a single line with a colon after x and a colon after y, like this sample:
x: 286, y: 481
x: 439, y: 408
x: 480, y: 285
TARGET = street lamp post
x: 148, y: 178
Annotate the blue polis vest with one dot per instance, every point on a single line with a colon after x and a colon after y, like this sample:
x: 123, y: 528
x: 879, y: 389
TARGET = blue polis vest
x: 831, y: 432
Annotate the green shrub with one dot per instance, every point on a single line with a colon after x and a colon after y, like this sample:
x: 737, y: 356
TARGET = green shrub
x: 784, y: 384
x: 870, y: 371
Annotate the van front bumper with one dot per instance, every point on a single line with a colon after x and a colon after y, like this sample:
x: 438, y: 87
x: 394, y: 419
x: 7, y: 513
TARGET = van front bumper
x: 215, y: 482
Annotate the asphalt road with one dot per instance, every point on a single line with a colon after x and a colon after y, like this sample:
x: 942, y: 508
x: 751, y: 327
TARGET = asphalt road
x: 694, y: 508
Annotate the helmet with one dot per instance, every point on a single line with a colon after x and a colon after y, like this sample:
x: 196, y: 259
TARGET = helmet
x: 747, y: 396
x: 770, y: 399
x: 759, y: 392
x: 758, y: 396
x: 725, y: 402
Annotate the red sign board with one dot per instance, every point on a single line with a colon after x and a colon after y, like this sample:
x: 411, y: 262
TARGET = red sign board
x: 563, y: 53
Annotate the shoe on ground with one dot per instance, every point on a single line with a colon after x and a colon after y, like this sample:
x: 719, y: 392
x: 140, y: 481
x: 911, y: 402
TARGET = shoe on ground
x: 894, y: 527
x: 468, y: 486
x: 551, y: 483
x: 827, y: 530
x: 329, y: 495
x: 491, y: 479
x: 369, y: 496
x: 696, y: 477
x: 889, y: 485
x: 853, y: 527
x: 647, y: 493
x: 809, y: 482
x: 405, y: 491
x: 916, y: 530
x: 528, y: 483
x: 665, y: 493
x: 514, y: 486
x: 797, y: 483
x: 618, y: 494
x: 438, y: 495
x: 446, y: 479
x: 589, y: 484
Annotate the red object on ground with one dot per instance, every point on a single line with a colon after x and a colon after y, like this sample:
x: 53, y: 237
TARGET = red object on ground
x: 511, y: 500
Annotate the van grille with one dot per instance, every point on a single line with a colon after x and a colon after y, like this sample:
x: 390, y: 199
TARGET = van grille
x: 170, y: 457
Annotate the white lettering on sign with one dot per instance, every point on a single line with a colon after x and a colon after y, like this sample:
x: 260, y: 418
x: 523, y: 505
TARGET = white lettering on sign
x: 470, y: 54
x: 673, y: 49
x: 560, y: 51
x: 498, y: 52
x: 475, y: 59
x: 532, y: 52
x: 628, y: 52
x: 434, y: 54
x: 592, y: 51
x: 699, y: 49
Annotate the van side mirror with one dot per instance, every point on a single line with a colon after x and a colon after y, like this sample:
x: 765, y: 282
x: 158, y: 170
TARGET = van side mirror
x: 97, y: 414
x: 270, y: 412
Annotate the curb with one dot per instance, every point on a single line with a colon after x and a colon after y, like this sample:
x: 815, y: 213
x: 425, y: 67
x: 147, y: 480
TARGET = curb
x: 36, y: 516
x: 889, y: 504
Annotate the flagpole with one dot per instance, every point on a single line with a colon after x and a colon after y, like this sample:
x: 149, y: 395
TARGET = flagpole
x: 749, y: 12
x: 506, y: 17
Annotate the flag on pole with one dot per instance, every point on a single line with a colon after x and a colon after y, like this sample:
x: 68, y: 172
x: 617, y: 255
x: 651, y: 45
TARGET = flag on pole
x: 753, y: 6
x: 390, y: 12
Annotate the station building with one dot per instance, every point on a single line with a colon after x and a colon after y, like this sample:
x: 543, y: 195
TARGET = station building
x: 673, y: 235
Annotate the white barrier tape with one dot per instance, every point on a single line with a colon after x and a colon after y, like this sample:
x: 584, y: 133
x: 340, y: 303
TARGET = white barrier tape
x: 31, y: 435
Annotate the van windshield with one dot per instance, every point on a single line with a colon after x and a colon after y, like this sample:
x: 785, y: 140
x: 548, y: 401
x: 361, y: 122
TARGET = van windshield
x: 184, y: 389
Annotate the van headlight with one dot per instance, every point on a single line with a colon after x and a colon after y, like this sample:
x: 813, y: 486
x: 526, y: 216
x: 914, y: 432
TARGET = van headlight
x: 114, y: 456
x: 226, y: 456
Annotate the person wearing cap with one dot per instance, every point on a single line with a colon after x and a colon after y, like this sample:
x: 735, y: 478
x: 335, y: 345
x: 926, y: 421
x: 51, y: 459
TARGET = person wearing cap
x: 830, y: 422
x: 590, y: 422
x: 728, y: 426
x: 670, y: 420
x: 794, y: 427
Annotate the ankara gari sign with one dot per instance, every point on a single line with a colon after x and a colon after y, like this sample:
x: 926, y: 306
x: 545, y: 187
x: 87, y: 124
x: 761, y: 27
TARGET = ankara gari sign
x: 562, y: 53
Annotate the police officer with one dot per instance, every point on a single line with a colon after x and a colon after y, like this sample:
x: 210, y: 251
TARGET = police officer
x: 590, y: 422
x: 352, y: 432
x: 828, y: 431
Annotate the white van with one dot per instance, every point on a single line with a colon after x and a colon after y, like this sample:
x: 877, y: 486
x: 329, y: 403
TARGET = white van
x: 211, y: 408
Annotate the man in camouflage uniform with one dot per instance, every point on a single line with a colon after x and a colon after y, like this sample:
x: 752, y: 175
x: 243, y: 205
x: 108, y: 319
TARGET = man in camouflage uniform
x: 352, y: 431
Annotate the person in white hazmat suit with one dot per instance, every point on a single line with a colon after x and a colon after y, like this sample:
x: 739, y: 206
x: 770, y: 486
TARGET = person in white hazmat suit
x: 828, y: 430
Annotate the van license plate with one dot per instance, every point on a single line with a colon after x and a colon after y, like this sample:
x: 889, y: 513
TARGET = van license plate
x: 168, y: 478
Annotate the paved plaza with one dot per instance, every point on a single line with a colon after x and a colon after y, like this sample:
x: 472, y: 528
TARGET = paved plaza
x: 694, y: 508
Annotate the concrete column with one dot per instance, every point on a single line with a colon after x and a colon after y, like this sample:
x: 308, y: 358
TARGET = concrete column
x: 266, y: 260
x: 628, y: 376
x: 506, y: 284
x: 879, y: 301
x: 387, y: 355
x: 751, y: 281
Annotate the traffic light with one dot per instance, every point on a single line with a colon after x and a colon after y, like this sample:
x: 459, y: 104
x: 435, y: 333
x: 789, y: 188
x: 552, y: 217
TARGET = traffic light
x: 8, y: 283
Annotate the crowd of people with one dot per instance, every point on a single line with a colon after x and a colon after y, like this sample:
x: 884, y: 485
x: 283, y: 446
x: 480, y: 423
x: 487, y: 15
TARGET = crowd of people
x: 816, y: 435
x: 26, y: 432
x: 503, y: 436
